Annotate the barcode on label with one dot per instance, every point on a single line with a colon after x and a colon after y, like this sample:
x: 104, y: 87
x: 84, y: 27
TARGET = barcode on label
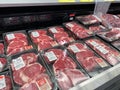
x: 74, y: 48
x: 2, y: 82
x: 51, y: 56
x: 35, y: 34
x: 43, y: 84
x: 10, y: 36
x: 18, y: 63
x: 53, y: 30
x: 70, y: 25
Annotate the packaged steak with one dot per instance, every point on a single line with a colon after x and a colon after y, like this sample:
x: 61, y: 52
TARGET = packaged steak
x: 88, y: 19
x: 64, y: 68
x: 41, y: 39
x: 88, y: 59
x: 16, y: 42
x: 110, y: 35
x: 110, y: 20
x: 2, y: 48
x: 3, y: 63
x: 78, y: 30
x: 116, y: 44
x: 30, y: 73
x: 111, y: 55
x: 60, y: 34
x: 6, y: 82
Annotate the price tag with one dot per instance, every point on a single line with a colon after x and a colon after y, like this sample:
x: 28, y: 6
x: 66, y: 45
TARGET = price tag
x: 1, y: 66
x: 86, y: 0
x: 35, y: 34
x: 74, y: 48
x: 101, y: 62
x: 51, y: 56
x: 53, y: 30
x: 10, y: 36
x: 102, y: 49
x: 66, y: 0
x: 70, y: 25
x: 2, y: 82
x: 93, y: 43
x: 43, y: 84
x: 18, y: 63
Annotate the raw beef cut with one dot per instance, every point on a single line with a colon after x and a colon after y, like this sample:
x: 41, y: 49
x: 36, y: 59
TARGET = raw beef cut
x: 3, y: 63
x: 64, y: 63
x: 75, y: 76
x: 111, y: 35
x: 62, y: 36
x: 88, y: 19
x: 8, y: 83
x: 108, y: 53
x: 63, y: 81
x: 28, y: 73
x: 15, y: 36
x: 28, y: 58
x: 56, y: 29
x: 1, y: 48
x: 77, y: 29
x: 53, y: 54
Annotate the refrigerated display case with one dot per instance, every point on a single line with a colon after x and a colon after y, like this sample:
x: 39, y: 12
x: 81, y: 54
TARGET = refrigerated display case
x: 16, y: 16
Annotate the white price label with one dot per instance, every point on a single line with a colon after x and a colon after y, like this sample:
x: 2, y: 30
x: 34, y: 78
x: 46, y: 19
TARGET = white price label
x: 18, y: 63
x: 1, y: 66
x: 70, y: 25
x: 51, y: 56
x: 10, y: 36
x: 2, y: 82
x: 35, y: 34
x: 74, y: 48
x: 53, y: 30
x: 102, y: 50
x: 94, y: 43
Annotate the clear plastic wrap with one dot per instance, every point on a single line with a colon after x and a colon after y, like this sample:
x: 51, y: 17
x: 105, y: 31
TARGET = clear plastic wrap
x: 42, y: 39
x: 2, y: 48
x: 60, y: 34
x: 116, y: 44
x: 88, y: 59
x: 110, y: 54
x: 16, y: 42
x: 66, y: 70
x: 110, y: 35
x: 30, y: 73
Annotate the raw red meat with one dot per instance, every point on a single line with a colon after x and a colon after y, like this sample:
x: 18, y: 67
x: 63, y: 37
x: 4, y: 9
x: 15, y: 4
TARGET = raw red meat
x: 16, y: 44
x: 1, y: 48
x: 75, y: 76
x: 76, y: 47
x: 77, y: 29
x: 3, y: 62
x: 28, y: 73
x: 57, y: 52
x: 63, y: 81
x: 111, y: 55
x: 56, y: 29
x: 59, y: 35
x: 28, y: 58
x: 8, y: 83
x: 64, y: 63
x: 111, y: 35
x: 15, y: 36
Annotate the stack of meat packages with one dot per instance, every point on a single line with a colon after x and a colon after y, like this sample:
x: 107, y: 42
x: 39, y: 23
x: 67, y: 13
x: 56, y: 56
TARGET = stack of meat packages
x: 110, y: 35
x: 16, y: 42
x: 28, y: 73
x: 87, y: 58
x: 60, y: 35
x: 41, y: 39
x: 110, y: 54
x: 64, y: 68
x: 110, y: 20
x: 78, y: 30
